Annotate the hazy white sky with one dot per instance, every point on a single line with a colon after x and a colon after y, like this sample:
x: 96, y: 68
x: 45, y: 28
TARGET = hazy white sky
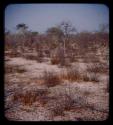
x: 39, y: 17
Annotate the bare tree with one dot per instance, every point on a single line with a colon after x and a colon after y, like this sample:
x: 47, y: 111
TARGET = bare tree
x: 22, y: 31
x: 67, y: 29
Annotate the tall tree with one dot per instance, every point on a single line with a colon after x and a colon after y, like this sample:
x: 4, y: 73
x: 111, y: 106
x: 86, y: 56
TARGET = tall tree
x: 22, y: 27
x: 67, y: 29
x: 55, y: 35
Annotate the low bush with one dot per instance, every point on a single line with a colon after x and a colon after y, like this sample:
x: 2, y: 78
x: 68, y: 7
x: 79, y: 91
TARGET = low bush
x: 29, y: 97
x: 55, y: 61
x: 13, y: 69
x: 98, y: 68
x: 91, y: 77
x: 72, y: 75
x: 51, y: 79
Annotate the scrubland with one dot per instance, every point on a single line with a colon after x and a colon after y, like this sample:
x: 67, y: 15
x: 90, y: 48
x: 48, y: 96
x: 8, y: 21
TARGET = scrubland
x: 42, y: 83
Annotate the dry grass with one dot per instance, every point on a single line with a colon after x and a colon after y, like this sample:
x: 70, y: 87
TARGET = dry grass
x: 61, y: 60
x: 97, y: 68
x: 13, y: 53
x: 26, y: 98
x: 40, y: 59
x: 86, y: 77
x: 71, y: 74
x: 13, y: 69
x: 60, y: 104
x: 29, y: 97
x: 54, y: 61
x: 91, y: 77
x: 95, y: 77
x: 51, y: 79
x: 31, y: 57
x: 86, y: 93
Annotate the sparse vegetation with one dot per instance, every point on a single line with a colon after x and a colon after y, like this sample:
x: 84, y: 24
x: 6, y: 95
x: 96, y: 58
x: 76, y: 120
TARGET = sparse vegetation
x: 98, y: 68
x: 51, y: 79
x: 64, y: 61
x: 91, y: 77
x: 60, y: 104
x: 54, y: 61
x: 29, y: 97
x: 95, y: 77
x: 71, y: 74
x: 13, y: 69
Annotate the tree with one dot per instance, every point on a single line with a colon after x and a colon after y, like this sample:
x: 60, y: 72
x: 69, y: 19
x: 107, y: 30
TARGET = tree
x: 55, y: 34
x: 54, y: 31
x: 34, y: 33
x: 67, y: 29
x: 22, y: 27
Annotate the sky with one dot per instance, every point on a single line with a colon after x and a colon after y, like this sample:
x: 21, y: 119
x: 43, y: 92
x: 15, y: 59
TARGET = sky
x: 40, y: 17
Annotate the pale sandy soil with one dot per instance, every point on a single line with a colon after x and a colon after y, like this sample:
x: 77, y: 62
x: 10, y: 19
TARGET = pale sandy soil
x: 94, y: 105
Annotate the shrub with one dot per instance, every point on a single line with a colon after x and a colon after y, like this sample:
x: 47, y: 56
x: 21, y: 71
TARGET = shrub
x: 13, y: 69
x: 51, y: 79
x: 86, y: 77
x: 30, y: 56
x: 100, y: 68
x: 95, y: 77
x: 29, y: 97
x: 91, y: 77
x: 60, y: 104
x: 72, y: 74
x: 54, y: 61
x: 26, y: 98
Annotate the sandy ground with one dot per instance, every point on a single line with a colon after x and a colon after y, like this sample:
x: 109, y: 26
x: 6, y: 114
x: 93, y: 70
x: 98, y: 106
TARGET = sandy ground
x: 93, y: 100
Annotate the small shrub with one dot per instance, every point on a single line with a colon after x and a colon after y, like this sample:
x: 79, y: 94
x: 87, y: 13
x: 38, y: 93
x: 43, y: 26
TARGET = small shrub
x: 54, y: 61
x: 51, y: 79
x: 94, y: 78
x: 29, y: 97
x: 8, y: 69
x: 73, y: 75
x: 86, y: 93
x: 90, y: 77
x: 60, y: 104
x: 13, y: 69
x: 98, y: 68
x: 40, y: 59
x: 20, y: 70
x: 86, y: 77
x: 26, y: 98
x: 81, y: 100
x: 31, y: 57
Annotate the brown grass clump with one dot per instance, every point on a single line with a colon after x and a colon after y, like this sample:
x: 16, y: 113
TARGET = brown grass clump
x: 86, y: 77
x: 95, y: 77
x: 31, y: 57
x: 29, y: 97
x: 26, y: 98
x: 91, y: 77
x: 86, y: 93
x: 60, y: 104
x: 75, y: 75
x: 13, y: 69
x: 98, y: 68
x: 54, y: 61
x: 72, y: 75
x: 51, y: 79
